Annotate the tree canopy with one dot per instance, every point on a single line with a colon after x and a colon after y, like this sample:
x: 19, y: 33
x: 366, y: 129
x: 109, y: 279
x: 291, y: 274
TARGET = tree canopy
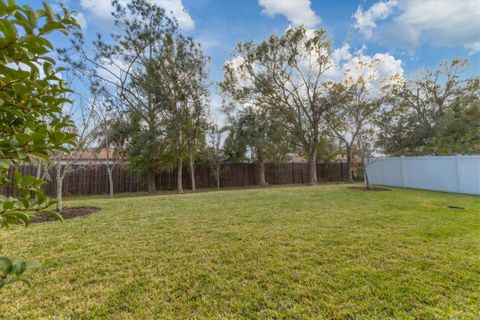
x: 434, y: 113
x: 286, y: 74
x: 157, y: 78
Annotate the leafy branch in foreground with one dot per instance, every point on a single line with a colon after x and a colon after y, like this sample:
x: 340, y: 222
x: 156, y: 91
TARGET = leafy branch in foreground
x: 31, y: 99
x: 13, y: 269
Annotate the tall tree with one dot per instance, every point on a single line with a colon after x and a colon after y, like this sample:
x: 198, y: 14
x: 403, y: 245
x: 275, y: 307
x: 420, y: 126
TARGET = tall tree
x: 215, y: 152
x: 68, y: 159
x: 158, y: 77
x: 112, y: 132
x: 287, y: 74
x: 195, y: 130
x: 183, y: 87
x: 422, y: 108
x: 31, y: 99
x: 129, y: 66
x: 360, y: 99
x: 367, y: 149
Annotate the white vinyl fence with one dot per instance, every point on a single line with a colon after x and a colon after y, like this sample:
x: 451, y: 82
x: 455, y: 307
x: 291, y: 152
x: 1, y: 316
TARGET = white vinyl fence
x: 459, y: 174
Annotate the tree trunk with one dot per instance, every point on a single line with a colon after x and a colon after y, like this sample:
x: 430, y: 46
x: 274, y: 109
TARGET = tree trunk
x: 217, y: 175
x: 110, y: 181
x: 58, y: 173
x: 179, y: 175
x: 192, y: 173
x: 152, y: 188
x: 261, y: 172
x: 349, y: 164
x: 365, y: 173
x: 39, y: 170
x: 312, y: 171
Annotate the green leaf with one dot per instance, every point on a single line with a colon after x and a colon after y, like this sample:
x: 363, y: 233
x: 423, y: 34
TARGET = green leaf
x: 5, y: 164
x: 28, y: 180
x: 22, y: 138
x: 25, y: 203
x: 48, y: 12
x: 53, y: 214
x: 19, y: 267
x: 40, y: 196
x: 8, y: 29
x: 3, y: 8
x: 18, y: 215
x: 8, y: 205
x: 5, y: 265
x: 47, y: 69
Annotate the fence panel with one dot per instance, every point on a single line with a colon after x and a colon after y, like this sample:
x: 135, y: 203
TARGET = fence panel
x: 460, y: 174
x: 469, y: 174
x: 93, y: 179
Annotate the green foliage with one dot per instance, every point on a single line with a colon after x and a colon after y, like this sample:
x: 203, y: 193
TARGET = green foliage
x: 435, y: 113
x: 181, y: 89
x: 31, y: 100
x: 259, y: 130
x: 458, y: 130
x: 287, y: 74
x: 159, y: 86
x: 147, y: 153
x: 328, y: 149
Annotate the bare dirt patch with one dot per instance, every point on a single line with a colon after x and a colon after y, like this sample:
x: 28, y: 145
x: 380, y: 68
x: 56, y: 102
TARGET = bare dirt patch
x: 68, y: 213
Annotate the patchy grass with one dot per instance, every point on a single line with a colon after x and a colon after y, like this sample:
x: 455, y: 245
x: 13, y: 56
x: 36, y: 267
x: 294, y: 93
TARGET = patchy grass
x: 279, y: 253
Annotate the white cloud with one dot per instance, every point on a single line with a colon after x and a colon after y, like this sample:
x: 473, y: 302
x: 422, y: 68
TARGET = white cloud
x: 218, y: 116
x: 98, y: 9
x: 298, y: 12
x: 211, y: 42
x: 114, y: 70
x: 437, y: 22
x: 177, y: 9
x: 341, y: 54
x: 366, y: 20
x: 379, y: 68
x: 474, y: 47
x: 81, y: 20
x: 101, y: 9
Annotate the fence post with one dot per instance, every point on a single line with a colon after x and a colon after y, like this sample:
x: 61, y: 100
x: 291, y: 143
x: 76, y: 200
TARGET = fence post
x: 293, y: 173
x: 459, y: 174
x: 402, y: 171
x: 365, y: 166
x: 341, y: 171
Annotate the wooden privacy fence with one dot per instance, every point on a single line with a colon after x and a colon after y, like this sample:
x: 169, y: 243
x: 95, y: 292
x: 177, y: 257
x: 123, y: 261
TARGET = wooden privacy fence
x: 94, y: 179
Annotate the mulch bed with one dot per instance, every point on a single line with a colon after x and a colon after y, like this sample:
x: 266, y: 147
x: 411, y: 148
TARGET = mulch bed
x: 68, y: 213
x: 370, y: 189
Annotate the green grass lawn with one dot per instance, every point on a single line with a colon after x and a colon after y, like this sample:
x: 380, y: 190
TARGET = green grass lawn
x: 279, y: 253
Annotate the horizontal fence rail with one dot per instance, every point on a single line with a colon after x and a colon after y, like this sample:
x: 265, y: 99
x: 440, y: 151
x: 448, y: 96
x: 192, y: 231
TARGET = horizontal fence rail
x: 93, y: 179
x: 460, y: 174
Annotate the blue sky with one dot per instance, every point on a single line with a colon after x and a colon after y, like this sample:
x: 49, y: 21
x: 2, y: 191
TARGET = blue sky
x: 418, y: 33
